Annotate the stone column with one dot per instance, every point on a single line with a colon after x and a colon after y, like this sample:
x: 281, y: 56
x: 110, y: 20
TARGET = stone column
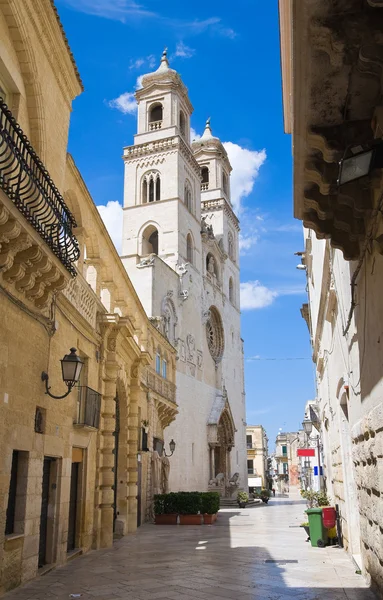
x: 212, y: 462
x: 135, y: 393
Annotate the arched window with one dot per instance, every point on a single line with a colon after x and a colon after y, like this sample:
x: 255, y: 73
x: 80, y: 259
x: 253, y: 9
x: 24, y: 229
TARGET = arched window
x: 230, y: 244
x: 144, y: 191
x: 189, y: 249
x: 155, y: 116
x: 225, y: 182
x: 182, y: 123
x: 204, y: 178
x: 215, y: 334
x: 188, y: 198
x: 231, y: 290
x: 151, y: 190
x: 151, y: 187
x: 150, y: 241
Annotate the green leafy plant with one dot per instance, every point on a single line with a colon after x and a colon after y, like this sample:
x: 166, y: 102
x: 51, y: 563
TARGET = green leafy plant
x: 242, y: 497
x: 265, y: 493
x: 305, y: 524
x: 210, y: 503
x: 323, y: 499
x: 315, y: 499
x: 165, y: 504
x: 189, y: 503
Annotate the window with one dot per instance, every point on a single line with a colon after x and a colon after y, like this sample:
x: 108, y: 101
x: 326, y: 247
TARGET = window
x: 188, y: 197
x: 158, y: 363
x: 215, y: 334
x: 150, y: 241
x: 225, y: 182
x: 164, y: 368
x: 204, y: 178
x: 155, y: 116
x: 231, y: 290
x: 151, y: 187
x: 285, y: 468
x: 11, y: 508
x: 249, y: 441
x: 284, y: 450
x: 250, y: 467
x: 189, y: 249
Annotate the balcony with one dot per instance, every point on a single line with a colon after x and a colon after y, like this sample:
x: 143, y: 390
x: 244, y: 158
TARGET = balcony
x: 154, y: 125
x: 38, y: 250
x: 204, y: 187
x: 88, y: 407
x: 26, y: 182
x: 164, y: 394
x: 251, y: 471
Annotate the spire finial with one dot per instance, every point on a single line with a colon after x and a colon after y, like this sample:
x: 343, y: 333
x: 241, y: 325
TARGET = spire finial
x: 164, y: 65
x: 207, y: 133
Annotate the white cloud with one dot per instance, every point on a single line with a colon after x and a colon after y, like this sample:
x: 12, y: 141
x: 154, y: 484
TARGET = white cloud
x: 183, y: 51
x: 111, y: 214
x: 129, y: 11
x: 255, y: 295
x: 194, y: 135
x: 136, y: 64
x: 126, y: 102
x: 246, y: 242
x: 246, y: 164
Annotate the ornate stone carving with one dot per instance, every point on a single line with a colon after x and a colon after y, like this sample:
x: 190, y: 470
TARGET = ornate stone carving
x: 81, y: 295
x: 190, y: 342
x: 199, y: 359
x: 148, y: 261
x: 215, y: 334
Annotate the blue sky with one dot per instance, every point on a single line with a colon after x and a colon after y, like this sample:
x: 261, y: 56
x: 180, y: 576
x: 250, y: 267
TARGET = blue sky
x: 229, y: 60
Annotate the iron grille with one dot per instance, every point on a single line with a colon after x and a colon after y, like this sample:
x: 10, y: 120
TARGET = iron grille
x: 88, y: 407
x: 27, y: 183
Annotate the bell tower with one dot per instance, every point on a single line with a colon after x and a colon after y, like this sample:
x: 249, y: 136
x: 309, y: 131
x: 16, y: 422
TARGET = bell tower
x: 162, y: 196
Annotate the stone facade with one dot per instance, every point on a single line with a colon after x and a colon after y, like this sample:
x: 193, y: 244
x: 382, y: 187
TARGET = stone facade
x: 180, y: 249
x: 73, y: 471
x: 332, y: 102
x: 257, y: 456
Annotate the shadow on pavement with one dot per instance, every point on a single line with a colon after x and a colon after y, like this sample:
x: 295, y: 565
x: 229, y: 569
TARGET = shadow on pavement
x: 241, y: 557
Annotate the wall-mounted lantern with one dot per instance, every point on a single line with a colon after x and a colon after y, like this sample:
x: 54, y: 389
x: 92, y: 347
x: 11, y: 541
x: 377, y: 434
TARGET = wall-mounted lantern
x: 172, y: 446
x: 71, y: 366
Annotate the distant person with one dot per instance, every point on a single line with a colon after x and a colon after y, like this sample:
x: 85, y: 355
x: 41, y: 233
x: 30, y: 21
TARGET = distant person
x: 273, y: 490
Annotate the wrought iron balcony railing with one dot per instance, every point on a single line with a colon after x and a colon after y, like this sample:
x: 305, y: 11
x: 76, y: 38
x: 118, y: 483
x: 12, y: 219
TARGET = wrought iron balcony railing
x: 88, y: 407
x: 27, y: 183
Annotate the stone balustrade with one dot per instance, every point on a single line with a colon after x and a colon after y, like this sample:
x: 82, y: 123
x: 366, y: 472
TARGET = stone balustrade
x: 154, y: 125
x: 83, y: 298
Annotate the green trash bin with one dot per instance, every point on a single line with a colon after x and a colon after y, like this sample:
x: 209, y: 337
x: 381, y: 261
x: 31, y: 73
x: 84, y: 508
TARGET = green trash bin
x: 318, y: 533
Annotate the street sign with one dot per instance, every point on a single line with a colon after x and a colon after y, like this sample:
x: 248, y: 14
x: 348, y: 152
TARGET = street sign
x: 306, y: 452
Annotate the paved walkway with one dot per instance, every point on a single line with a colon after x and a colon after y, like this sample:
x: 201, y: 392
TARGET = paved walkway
x: 229, y: 560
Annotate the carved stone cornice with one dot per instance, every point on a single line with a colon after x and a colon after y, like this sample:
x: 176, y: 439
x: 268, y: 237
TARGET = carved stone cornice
x: 27, y: 265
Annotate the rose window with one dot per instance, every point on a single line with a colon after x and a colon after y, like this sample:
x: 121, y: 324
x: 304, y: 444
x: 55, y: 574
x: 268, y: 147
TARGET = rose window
x: 215, y: 334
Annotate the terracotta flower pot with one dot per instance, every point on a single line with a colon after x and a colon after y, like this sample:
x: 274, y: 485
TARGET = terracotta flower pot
x: 209, y: 519
x: 190, y: 519
x: 166, y: 519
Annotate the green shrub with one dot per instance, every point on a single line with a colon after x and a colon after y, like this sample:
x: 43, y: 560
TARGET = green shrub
x: 265, y: 493
x: 165, y: 504
x: 189, y: 503
x: 210, y: 503
x: 242, y: 497
x: 315, y: 499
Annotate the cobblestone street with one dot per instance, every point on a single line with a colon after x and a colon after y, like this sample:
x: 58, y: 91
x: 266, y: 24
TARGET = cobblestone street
x: 255, y: 553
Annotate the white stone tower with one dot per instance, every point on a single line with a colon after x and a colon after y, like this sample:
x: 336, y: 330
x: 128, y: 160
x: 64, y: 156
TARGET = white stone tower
x: 181, y: 254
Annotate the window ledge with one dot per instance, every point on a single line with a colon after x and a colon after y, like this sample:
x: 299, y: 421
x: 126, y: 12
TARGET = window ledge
x: 13, y: 536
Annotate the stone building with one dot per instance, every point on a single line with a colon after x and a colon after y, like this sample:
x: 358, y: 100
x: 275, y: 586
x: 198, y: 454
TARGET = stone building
x: 257, y: 456
x: 75, y: 470
x: 286, y: 458
x: 181, y: 251
x: 332, y: 88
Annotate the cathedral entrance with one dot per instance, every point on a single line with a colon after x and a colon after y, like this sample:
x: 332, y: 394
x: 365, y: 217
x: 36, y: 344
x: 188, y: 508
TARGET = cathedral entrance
x: 221, y: 441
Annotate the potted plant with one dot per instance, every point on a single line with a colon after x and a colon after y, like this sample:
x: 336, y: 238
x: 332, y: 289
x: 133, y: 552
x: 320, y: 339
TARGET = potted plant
x: 242, y: 499
x: 165, y: 509
x: 189, y: 508
x: 265, y: 495
x: 209, y: 507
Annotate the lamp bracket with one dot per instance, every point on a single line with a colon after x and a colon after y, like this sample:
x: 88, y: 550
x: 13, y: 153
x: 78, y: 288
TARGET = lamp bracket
x: 45, y: 378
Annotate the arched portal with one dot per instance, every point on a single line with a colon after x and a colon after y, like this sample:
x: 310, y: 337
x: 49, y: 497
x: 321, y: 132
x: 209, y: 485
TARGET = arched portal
x: 225, y: 442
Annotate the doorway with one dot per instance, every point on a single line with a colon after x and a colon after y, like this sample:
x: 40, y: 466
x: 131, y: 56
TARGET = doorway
x: 73, y: 505
x: 139, y: 496
x: 45, y: 497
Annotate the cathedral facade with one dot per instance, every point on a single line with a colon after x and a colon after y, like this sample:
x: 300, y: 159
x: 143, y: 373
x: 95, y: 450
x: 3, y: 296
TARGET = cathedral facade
x: 181, y: 251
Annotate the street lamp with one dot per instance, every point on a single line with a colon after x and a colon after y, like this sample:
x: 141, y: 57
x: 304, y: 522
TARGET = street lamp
x: 307, y: 427
x: 172, y: 446
x: 71, y: 366
x: 362, y: 160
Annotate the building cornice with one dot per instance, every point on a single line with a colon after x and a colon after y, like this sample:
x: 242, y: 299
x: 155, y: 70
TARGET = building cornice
x: 45, y: 19
x: 164, y: 146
